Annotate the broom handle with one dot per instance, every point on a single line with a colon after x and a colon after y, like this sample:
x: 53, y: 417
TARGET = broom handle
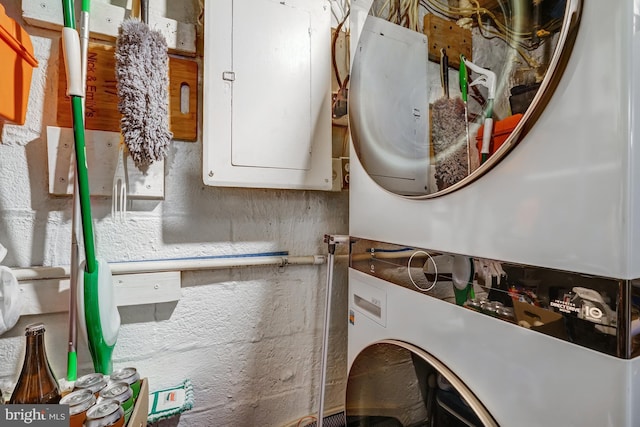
x: 144, y: 11
x: 74, y: 87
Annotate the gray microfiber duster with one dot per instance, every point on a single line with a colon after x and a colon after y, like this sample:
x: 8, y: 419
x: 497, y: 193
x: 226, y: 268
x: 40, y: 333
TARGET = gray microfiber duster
x: 142, y: 76
x: 448, y: 134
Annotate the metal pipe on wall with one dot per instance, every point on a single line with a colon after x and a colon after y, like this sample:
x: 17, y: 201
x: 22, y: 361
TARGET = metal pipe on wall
x: 181, y: 264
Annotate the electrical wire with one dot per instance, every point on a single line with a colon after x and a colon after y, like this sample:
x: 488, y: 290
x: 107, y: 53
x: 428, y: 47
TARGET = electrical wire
x: 342, y: 84
x: 521, y: 41
x: 334, y: 41
x: 405, y: 13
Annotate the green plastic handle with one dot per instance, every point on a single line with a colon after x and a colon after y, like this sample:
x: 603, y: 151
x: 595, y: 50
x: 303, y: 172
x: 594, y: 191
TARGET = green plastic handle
x: 464, y: 82
x: 100, y: 351
x: 83, y: 185
x: 72, y: 366
x: 68, y: 14
x: 81, y: 159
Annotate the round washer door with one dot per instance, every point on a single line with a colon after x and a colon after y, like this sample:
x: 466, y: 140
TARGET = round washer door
x: 439, y: 94
x: 395, y: 384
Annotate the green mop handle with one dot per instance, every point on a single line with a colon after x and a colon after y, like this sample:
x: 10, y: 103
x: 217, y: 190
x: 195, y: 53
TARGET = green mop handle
x: 463, y: 79
x: 72, y: 355
x: 72, y: 58
x: 84, y: 41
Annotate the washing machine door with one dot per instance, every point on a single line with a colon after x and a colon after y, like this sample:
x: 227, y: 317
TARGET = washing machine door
x: 395, y: 384
x: 439, y: 94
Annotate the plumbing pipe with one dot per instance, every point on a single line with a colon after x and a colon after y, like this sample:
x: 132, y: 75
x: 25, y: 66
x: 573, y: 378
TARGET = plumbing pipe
x: 180, y: 264
x: 331, y: 241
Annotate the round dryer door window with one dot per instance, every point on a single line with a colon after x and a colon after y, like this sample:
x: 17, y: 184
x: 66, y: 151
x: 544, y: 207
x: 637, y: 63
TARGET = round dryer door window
x: 441, y: 90
x: 395, y: 384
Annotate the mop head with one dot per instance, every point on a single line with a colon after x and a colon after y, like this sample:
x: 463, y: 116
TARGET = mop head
x: 170, y: 402
x: 449, y: 141
x: 142, y: 76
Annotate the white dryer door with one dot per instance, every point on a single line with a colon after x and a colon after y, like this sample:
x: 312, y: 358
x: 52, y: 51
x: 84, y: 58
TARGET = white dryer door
x: 395, y: 384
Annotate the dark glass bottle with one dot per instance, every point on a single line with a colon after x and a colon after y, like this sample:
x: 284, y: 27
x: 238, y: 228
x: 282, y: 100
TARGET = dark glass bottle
x: 36, y: 383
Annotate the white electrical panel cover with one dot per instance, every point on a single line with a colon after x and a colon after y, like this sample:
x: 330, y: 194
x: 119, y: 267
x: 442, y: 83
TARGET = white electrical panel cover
x: 267, y: 94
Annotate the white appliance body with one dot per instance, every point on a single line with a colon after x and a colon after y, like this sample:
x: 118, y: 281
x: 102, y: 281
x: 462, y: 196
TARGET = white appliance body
x: 566, y: 196
x: 523, y: 378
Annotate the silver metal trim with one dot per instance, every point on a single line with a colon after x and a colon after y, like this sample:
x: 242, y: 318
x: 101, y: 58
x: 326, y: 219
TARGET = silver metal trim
x: 623, y: 321
x: 471, y: 399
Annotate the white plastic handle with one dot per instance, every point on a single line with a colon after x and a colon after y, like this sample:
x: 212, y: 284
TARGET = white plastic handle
x: 72, y: 60
x: 486, y: 135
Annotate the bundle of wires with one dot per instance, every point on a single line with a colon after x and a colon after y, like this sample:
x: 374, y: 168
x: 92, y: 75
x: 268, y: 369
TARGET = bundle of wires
x: 406, y: 13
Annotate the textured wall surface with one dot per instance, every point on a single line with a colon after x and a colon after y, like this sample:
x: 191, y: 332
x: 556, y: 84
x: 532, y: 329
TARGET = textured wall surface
x: 249, y: 339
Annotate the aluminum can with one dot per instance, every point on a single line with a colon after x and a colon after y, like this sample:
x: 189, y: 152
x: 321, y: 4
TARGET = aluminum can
x: 130, y: 376
x: 107, y: 413
x: 94, y: 382
x: 121, y: 392
x: 79, y: 402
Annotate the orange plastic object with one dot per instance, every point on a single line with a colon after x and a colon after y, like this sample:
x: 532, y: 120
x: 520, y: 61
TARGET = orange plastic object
x: 16, y: 57
x: 501, y: 131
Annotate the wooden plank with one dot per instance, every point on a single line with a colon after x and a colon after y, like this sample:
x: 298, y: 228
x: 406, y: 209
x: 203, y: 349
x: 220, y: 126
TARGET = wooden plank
x: 101, y: 101
x: 139, y: 415
x: 105, y: 19
x: 183, y: 83
x: 443, y: 33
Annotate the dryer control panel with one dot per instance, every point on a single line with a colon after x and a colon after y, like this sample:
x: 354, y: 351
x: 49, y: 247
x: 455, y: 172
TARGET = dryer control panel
x: 599, y: 313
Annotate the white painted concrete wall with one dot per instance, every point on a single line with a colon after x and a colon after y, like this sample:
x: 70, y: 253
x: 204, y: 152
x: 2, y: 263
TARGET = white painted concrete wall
x: 249, y: 339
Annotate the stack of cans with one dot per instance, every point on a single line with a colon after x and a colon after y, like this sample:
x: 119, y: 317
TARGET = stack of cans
x: 100, y: 401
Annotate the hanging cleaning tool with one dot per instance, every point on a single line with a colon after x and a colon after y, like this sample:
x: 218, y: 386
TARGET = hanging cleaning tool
x: 464, y: 94
x: 142, y: 76
x: 462, y: 273
x: 96, y: 302
x: 76, y: 230
x: 444, y: 72
x: 447, y: 127
x: 487, y: 78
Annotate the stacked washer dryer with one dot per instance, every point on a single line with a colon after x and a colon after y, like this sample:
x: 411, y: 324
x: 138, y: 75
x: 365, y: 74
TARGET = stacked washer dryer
x: 553, y: 216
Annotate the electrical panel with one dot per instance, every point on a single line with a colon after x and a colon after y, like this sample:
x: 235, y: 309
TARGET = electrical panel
x: 267, y: 94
